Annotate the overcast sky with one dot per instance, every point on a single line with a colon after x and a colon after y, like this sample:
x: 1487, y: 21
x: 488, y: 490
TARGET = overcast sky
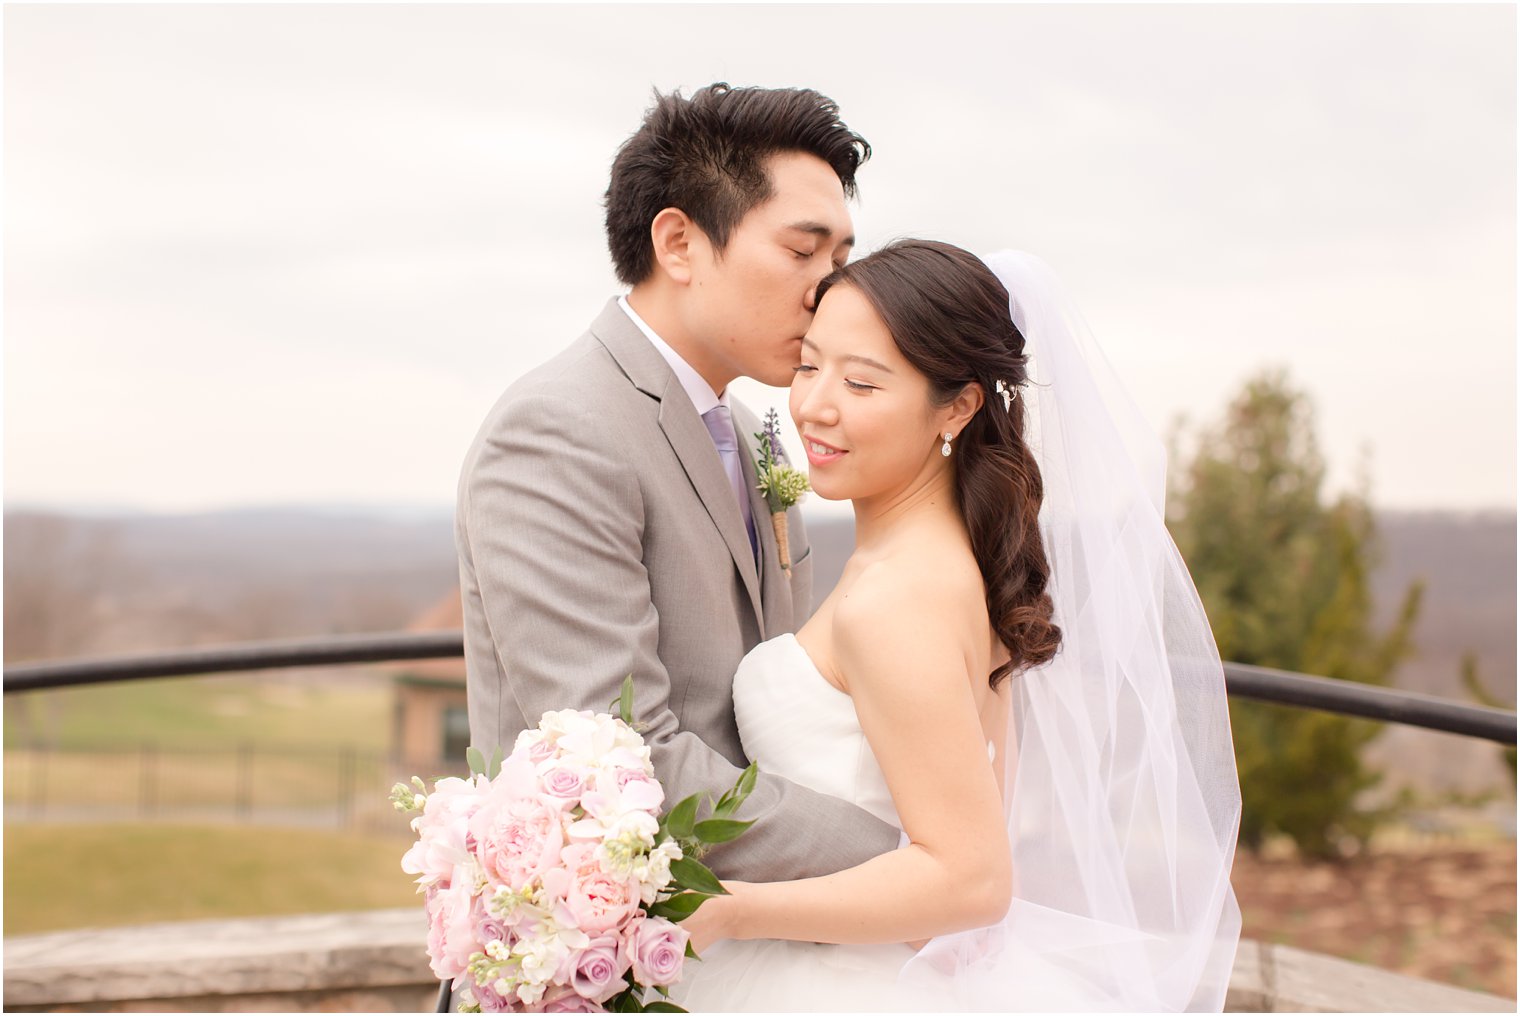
x: 291, y: 254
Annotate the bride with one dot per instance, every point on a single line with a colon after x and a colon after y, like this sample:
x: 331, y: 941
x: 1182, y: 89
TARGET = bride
x: 1014, y: 669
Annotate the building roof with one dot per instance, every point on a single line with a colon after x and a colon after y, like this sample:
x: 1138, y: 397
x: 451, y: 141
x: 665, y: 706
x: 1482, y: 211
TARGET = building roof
x: 445, y: 615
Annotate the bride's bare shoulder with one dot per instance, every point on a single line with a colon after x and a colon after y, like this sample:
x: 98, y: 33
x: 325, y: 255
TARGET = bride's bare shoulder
x: 923, y: 597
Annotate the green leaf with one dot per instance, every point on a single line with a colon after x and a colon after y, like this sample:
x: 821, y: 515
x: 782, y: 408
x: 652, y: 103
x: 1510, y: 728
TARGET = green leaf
x: 678, y: 907
x: 691, y: 953
x: 720, y: 830
x: 736, y: 795
x: 690, y: 874
x: 663, y: 1007
x: 682, y: 817
x: 496, y: 761
x: 625, y: 701
x: 626, y: 1001
x: 476, y: 760
x: 746, y: 784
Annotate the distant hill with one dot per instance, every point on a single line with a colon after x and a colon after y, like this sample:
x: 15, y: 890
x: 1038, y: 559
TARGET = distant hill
x: 161, y: 581
x: 1468, y: 564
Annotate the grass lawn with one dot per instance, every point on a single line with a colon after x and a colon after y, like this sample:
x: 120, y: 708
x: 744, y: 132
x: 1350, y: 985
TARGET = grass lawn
x: 78, y: 876
x: 197, y: 712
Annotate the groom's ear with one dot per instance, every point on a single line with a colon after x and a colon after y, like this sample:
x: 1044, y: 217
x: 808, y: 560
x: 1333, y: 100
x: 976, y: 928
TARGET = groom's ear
x: 675, y: 236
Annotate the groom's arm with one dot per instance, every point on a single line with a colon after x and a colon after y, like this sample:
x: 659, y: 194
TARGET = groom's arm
x: 552, y: 540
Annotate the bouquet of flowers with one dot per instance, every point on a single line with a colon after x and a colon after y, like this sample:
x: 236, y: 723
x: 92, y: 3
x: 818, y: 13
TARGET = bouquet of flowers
x: 552, y: 883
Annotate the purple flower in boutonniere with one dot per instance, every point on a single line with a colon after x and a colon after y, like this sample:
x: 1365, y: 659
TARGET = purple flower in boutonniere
x: 782, y: 485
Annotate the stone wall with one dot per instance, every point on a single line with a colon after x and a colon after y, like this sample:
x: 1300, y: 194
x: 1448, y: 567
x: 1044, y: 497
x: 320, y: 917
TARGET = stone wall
x: 373, y: 961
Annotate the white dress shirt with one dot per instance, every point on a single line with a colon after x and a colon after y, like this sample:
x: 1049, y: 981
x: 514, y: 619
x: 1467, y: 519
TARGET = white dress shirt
x: 705, y: 400
x: 697, y: 389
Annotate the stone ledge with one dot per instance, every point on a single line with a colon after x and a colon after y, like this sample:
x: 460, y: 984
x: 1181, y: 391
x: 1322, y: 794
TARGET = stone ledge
x: 1279, y: 978
x: 374, y: 961
x: 252, y: 956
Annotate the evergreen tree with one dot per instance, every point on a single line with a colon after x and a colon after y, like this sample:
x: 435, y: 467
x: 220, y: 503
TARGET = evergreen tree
x: 1480, y: 694
x: 1284, y: 576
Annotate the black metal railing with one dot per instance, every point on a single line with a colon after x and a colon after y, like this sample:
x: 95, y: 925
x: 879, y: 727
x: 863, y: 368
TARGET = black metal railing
x: 1259, y: 683
x: 323, y: 651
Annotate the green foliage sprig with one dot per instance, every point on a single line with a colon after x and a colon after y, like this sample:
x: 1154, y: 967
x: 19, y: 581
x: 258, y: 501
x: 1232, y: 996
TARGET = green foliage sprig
x: 782, y: 485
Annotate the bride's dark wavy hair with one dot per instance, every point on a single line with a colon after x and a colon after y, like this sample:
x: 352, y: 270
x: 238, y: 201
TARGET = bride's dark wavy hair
x: 949, y: 316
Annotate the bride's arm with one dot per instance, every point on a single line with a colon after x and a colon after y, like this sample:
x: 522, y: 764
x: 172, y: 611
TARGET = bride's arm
x: 907, y: 673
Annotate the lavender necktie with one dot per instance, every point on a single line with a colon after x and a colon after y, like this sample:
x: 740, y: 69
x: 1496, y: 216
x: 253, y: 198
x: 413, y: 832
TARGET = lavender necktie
x: 720, y: 424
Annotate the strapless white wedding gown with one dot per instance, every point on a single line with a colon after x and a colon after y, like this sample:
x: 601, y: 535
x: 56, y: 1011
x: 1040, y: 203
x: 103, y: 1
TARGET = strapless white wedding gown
x: 798, y: 726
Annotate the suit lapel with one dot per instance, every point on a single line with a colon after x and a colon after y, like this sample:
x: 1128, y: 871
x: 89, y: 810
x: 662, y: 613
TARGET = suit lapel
x: 688, y: 438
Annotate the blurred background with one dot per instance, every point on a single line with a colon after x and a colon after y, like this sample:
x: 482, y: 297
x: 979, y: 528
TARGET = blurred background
x: 267, y: 267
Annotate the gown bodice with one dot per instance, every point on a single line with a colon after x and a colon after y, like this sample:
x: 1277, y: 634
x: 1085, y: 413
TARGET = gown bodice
x: 794, y: 724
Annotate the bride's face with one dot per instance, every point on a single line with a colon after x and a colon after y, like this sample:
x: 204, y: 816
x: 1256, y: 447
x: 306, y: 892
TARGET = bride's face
x: 863, y: 411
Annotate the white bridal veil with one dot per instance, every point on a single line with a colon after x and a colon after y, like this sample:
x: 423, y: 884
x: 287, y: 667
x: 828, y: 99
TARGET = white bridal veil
x: 1120, y: 788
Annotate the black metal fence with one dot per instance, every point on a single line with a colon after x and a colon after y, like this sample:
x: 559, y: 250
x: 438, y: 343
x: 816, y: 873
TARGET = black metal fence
x: 253, y: 782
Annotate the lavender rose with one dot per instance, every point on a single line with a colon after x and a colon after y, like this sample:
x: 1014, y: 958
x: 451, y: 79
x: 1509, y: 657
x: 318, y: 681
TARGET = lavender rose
x: 599, y: 969
x: 659, y: 951
x: 490, y: 1000
x: 490, y: 929
x: 565, y: 1000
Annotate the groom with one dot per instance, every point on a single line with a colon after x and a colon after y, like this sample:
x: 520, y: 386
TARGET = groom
x: 608, y: 521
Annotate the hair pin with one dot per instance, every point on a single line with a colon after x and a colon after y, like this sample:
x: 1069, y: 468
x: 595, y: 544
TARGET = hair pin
x: 1007, y: 393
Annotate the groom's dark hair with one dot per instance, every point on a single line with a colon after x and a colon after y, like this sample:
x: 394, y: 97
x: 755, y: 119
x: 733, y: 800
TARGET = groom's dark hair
x: 706, y: 155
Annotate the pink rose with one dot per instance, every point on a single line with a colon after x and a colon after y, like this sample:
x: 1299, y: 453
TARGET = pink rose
x: 451, y: 925
x: 564, y: 782
x: 597, y: 900
x: 599, y: 969
x: 659, y: 951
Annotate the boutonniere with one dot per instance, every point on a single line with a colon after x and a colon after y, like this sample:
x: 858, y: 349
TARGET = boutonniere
x: 782, y: 485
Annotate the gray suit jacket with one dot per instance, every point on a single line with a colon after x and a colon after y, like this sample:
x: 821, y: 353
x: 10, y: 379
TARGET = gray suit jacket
x: 598, y: 537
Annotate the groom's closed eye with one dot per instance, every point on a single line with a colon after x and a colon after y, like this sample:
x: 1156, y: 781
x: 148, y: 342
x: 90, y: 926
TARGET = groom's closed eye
x: 825, y: 238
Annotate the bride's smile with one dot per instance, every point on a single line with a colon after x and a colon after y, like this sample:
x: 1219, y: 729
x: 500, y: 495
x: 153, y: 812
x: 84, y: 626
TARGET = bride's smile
x: 867, y: 419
